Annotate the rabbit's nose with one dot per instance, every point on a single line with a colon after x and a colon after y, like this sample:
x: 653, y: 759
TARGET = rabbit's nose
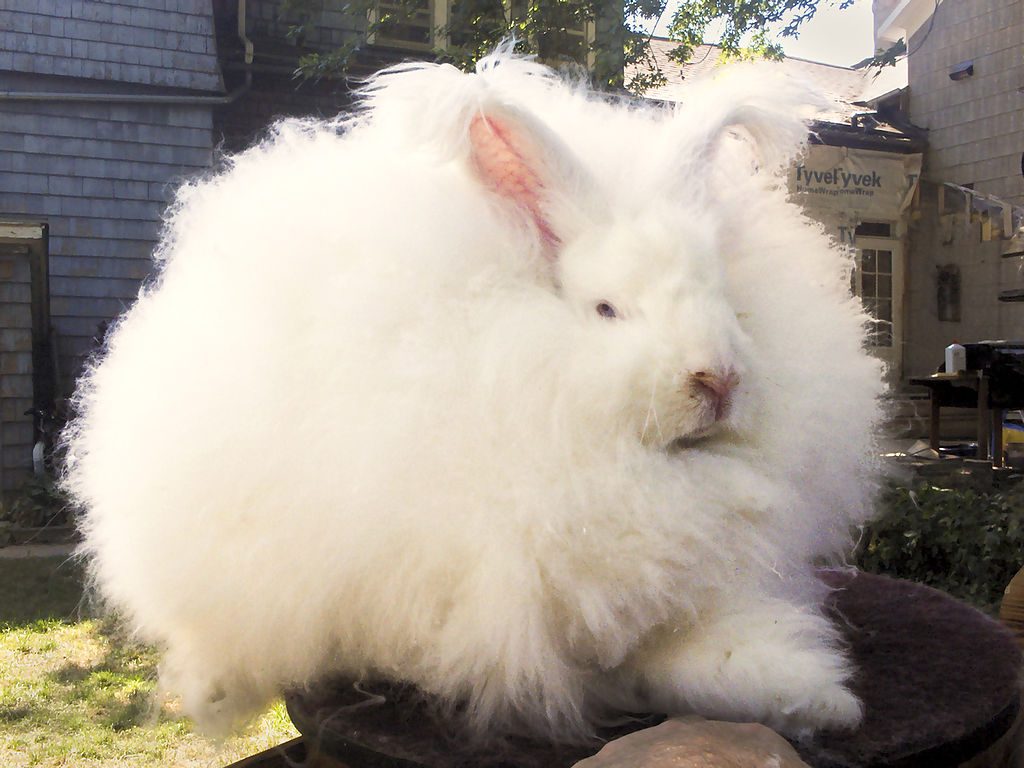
x: 717, y: 386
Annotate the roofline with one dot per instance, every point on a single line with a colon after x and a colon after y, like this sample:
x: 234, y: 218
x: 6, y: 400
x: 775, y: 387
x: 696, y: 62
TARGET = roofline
x: 907, y: 17
x: 791, y: 58
x: 844, y: 135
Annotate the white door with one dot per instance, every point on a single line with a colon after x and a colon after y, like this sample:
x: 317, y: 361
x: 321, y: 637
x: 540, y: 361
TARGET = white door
x: 878, y: 280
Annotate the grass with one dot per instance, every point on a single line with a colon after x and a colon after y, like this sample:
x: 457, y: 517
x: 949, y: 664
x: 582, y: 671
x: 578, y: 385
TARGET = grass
x: 75, y: 692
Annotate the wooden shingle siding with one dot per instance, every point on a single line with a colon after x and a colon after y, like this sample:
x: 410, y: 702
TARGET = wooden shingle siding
x: 16, y: 436
x: 975, y: 136
x: 976, y: 126
x: 101, y: 176
x: 167, y: 43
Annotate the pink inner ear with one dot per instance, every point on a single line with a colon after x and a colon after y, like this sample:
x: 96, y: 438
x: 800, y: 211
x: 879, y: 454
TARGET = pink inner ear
x: 498, y: 153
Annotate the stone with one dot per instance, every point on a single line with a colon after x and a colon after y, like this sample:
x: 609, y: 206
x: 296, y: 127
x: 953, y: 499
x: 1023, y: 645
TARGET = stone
x: 693, y: 742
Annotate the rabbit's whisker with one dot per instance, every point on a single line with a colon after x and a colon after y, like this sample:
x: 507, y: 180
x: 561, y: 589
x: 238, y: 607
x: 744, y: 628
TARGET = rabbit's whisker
x: 652, y: 415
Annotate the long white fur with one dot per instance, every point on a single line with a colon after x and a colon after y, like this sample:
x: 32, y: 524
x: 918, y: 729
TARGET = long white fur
x: 364, y: 423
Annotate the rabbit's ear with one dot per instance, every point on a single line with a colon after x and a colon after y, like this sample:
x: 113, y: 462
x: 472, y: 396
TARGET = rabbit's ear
x: 521, y: 162
x: 754, y: 102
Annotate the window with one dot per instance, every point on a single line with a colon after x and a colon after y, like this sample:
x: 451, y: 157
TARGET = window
x: 425, y: 25
x: 873, y: 229
x: 874, y: 272
x: 408, y: 23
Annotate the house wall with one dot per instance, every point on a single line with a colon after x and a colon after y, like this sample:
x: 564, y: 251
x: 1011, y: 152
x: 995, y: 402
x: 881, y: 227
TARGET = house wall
x: 274, y: 91
x: 976, y: 137
x: 880, y: 10
x: 144, y: 42
x: 842, y: 187
x: 100, y: 173
x: 976, y: 125
x: 942, y: 242
x: 16, y: 433
x: 100, y: 176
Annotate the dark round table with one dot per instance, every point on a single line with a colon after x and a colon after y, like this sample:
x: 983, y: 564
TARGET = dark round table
x: 939, y: 680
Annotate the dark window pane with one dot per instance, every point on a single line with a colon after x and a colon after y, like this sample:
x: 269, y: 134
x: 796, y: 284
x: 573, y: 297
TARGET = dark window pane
x: 883, y: 310
x: 867, y: 260
x: 406, y: 22
x: 874, y: 229
x: 884, y: 285
x: 885, y: 261
x: 868, y: 285
x: 880, y: 334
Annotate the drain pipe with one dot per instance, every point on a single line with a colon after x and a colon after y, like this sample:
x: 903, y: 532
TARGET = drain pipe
x: 147, y: 98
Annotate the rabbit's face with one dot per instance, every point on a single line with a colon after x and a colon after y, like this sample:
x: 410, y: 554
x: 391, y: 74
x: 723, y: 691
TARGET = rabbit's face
x: 651, y: 293
x: 659, y: 354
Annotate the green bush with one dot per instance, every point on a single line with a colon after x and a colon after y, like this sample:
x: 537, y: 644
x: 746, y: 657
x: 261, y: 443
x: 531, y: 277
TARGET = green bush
x: 964, y: 542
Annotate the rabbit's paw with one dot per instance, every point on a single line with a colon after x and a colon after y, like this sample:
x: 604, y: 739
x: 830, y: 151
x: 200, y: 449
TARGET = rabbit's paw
x: 831, y: 706
x: 804, y: 691
x: 773, y: 663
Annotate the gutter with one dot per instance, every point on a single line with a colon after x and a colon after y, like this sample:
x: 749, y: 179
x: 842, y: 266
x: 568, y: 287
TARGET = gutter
x: 148, y: 98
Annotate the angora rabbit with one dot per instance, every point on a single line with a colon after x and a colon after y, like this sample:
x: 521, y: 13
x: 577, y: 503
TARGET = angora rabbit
x: 538, y: 400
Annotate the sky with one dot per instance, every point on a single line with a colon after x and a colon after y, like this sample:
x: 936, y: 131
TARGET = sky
x: 832, y: 36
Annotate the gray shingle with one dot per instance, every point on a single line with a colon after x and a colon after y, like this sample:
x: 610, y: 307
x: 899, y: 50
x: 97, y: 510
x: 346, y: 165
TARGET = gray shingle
x: 192, y: 7
x: 15, y: 386
x: 123, y: 265
x: 131, y: 190
x: 88, y: 307
x: 83, y: 29
x: 48, y: 164
x: 102, y: 12
x: 44, y: 7
x: 98, y: 187
x: 199, y: 25
x: 12, y: 142
x: 53, y: 46
x: 94, y: 287
x: 15, y: 340
x: 39, y: 42
x: 24, y: 183
x: 65, y: 185
x: 122, y: 14
x: 29, y: 205
x: 27, y: 62
x: 150, y: 19
x: 13, y: 21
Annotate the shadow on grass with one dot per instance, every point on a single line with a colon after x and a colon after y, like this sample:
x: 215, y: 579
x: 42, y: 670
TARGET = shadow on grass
x: 42, y: 598
x: 75, y: 690
x: 118, y: 688
x: 38, y: 588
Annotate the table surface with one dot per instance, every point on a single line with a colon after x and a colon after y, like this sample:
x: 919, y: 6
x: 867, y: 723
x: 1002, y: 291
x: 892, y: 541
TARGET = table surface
x: 938, y: 678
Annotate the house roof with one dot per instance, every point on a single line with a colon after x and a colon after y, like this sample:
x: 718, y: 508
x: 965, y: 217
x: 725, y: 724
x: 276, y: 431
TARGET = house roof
x: 848, y: 90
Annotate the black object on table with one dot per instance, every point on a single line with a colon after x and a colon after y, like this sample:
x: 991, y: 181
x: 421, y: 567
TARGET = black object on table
x: 938, y: 678
x: 992, y: 383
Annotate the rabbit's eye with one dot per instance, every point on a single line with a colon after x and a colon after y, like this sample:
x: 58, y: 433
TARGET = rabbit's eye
x: 604, y: 309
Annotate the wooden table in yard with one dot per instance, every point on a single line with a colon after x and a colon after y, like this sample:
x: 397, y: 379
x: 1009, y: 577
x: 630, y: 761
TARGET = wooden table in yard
x: 971, y: 389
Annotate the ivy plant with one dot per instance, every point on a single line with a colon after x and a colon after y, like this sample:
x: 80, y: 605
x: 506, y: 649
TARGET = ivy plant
x: 967, y: 542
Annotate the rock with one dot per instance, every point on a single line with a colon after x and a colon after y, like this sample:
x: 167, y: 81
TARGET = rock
x: 693, y: 742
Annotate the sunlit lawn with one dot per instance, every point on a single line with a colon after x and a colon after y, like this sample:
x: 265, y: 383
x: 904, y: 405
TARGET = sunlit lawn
x: 73, y: 692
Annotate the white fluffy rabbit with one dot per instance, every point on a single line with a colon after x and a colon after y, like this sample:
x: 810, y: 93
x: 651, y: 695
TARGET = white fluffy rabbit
x: 540, y: 401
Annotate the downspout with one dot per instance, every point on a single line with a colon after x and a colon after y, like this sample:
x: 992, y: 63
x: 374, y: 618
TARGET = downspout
x: 146, y: 98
